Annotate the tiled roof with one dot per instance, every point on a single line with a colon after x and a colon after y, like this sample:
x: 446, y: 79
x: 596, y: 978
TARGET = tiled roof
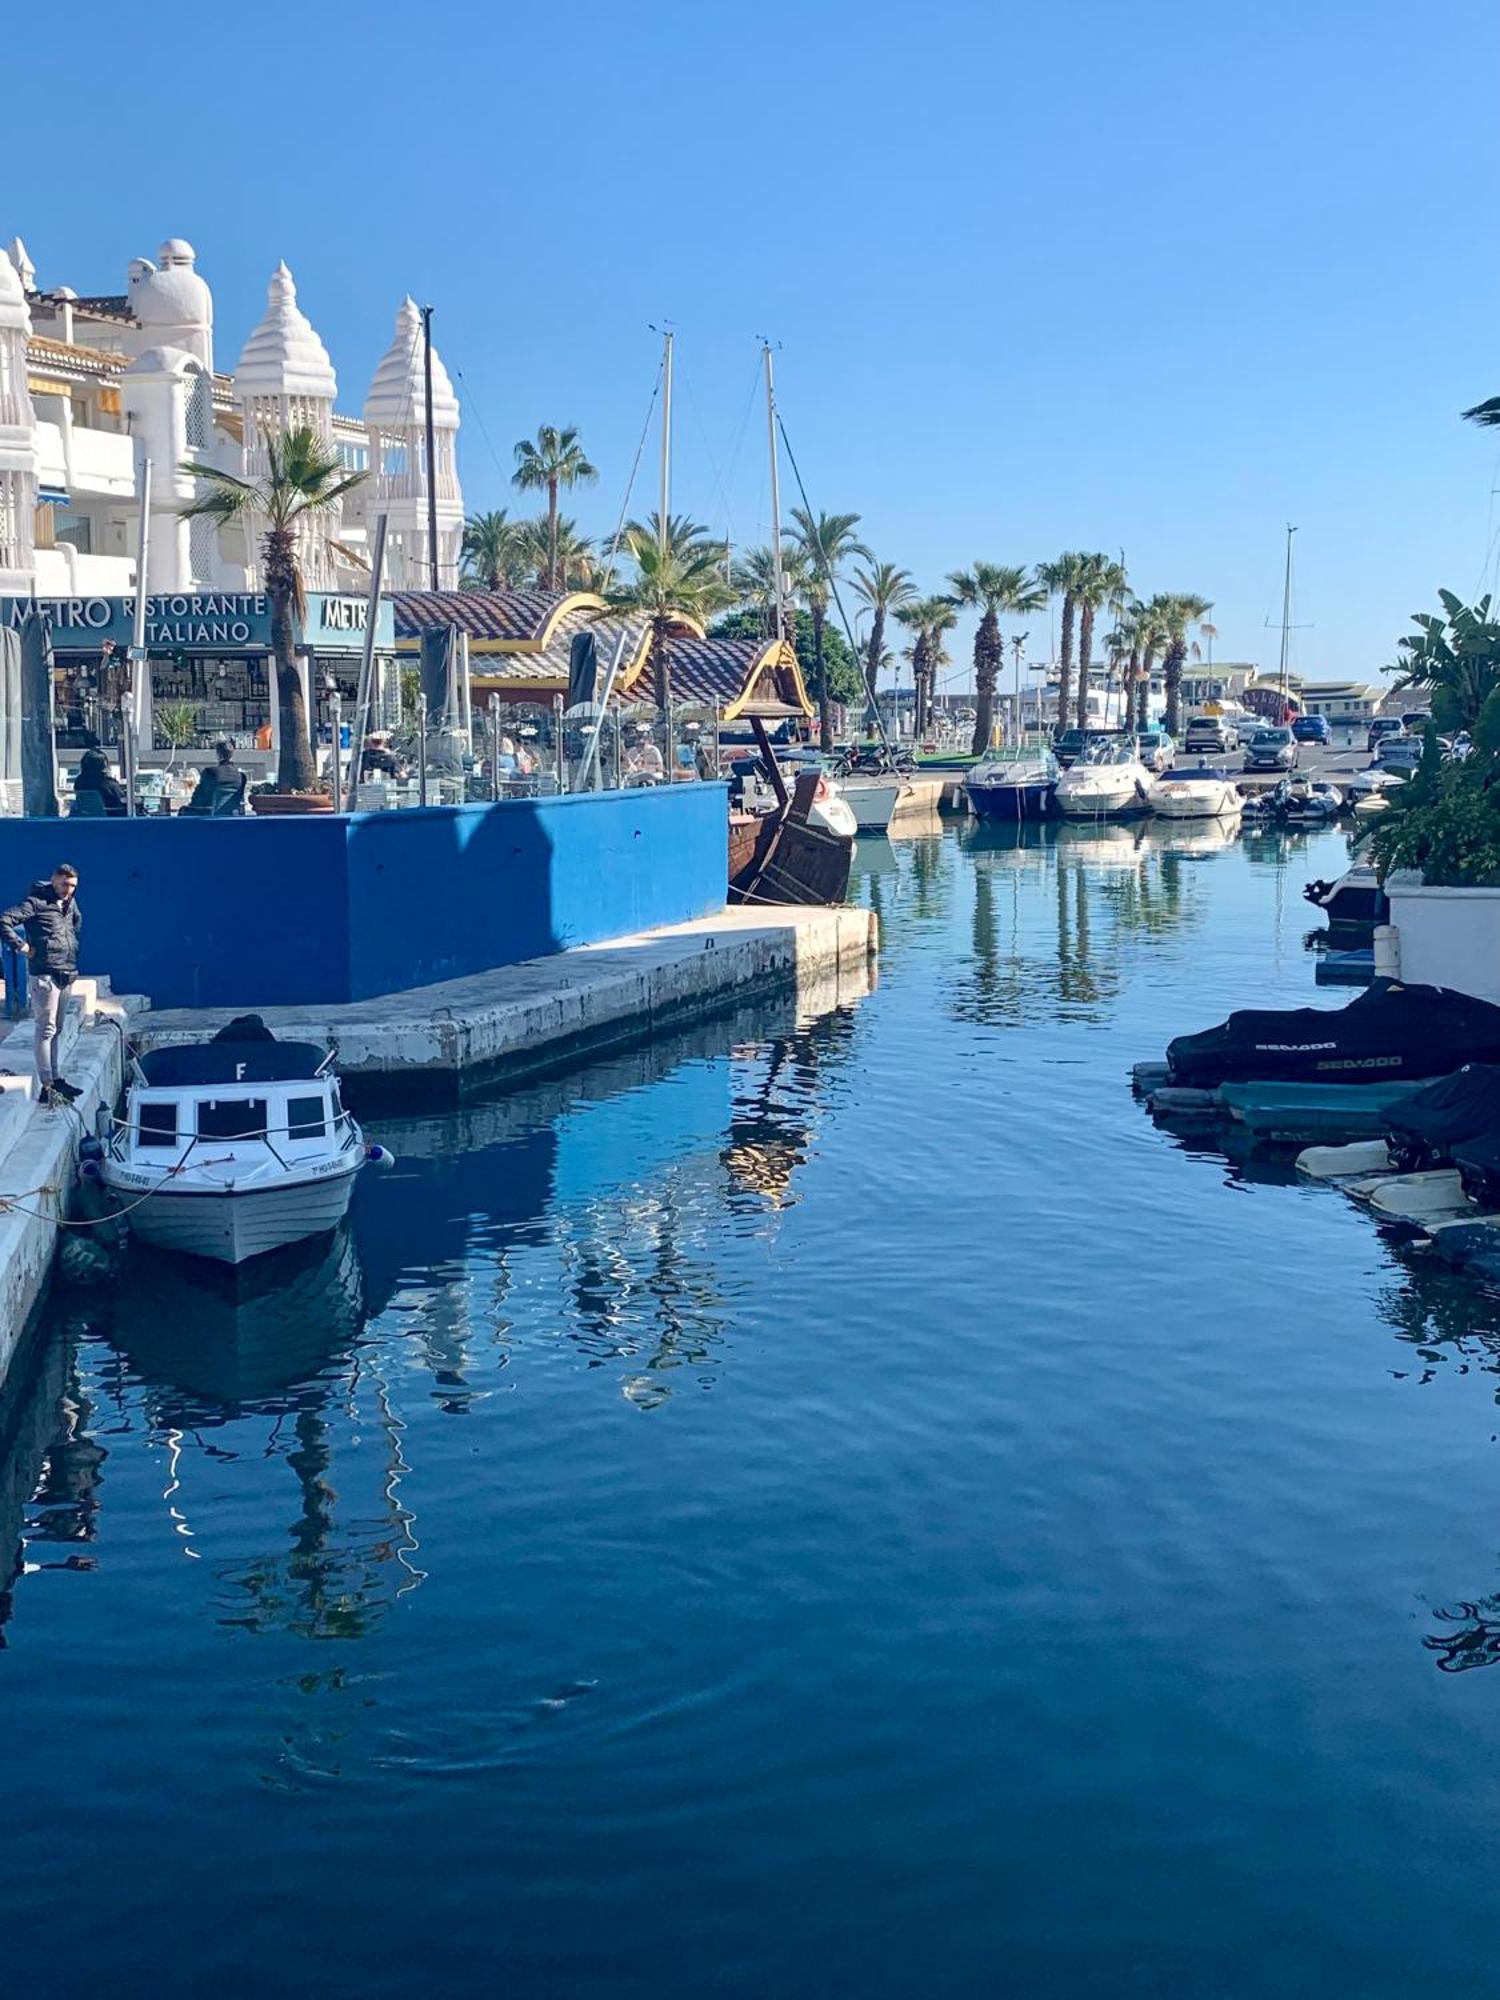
x: 113, y: 305
x: 516, y: 615
x: 41, y: 347
x: 724, y: 673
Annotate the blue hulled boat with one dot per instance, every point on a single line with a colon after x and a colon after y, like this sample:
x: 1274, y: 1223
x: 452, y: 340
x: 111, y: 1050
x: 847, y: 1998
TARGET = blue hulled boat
x: 1016, y: 785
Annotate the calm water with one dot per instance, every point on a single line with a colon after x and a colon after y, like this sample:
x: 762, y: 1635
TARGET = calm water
x: 845, y: 1507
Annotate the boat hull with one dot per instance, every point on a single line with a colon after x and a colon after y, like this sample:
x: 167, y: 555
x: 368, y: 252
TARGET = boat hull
x: 1188, y: 801
x: 231, y: 1227
x: 1013, y: 803
x: 1117, y: 803
x: 872, y: 801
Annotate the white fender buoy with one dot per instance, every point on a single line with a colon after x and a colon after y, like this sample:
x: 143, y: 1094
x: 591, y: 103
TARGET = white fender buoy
x: 380, y: 1157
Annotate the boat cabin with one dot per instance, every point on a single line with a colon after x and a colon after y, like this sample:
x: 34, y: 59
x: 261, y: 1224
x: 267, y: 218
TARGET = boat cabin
x: 277, y: 1098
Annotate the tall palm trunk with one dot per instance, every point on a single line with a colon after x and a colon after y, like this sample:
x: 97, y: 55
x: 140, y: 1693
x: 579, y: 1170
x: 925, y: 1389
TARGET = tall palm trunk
x: 1133, y: 683
x: 1085, y: 659
x: 1065, y: 662
x: 988, y: 655
x: 295, y: 768
x: 1143, y: 699
x: 877, y: 647
x: 1172, y: 667
x: 820, y: 678
x: 661, y: 669
x: 552, y: 534
x: 919, y: 687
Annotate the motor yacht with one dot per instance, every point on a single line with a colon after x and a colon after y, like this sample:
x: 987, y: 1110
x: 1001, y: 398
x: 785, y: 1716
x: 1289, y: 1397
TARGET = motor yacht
x: 1196, y: 792
x: 1108, y: 782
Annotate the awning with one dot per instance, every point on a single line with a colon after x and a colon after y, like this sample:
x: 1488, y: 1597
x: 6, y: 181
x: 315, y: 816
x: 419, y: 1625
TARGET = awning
x: 53, y: 496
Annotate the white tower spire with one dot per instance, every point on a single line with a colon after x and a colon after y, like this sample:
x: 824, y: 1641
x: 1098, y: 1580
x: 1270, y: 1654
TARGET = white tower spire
x: 18, y: 453
x: 285, y: 381
x: 395, y: 418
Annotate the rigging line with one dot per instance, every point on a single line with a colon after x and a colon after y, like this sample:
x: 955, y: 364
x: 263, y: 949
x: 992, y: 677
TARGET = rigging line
x: 483, y: 427
x: 614, y: 547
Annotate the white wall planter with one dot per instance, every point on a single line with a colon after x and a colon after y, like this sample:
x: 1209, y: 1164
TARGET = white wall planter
x: 1448, y: 937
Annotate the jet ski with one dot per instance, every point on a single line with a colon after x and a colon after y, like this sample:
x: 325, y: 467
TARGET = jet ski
x: 1423, y: 1129
x: 1390, y: 1032
x: 1478, y: 1163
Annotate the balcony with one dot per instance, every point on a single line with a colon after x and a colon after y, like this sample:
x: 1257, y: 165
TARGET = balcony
x: 63, y: 572
x: 101, y: 463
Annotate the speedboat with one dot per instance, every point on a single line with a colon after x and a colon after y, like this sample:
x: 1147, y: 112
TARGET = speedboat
x: 872, y: 800
x: 234, y: 1147
x: 1015, y: 785
x: 1196, y: 791
x: 1373, y: 782
x: 1309, y: 801
x: 1107, y: 782
x: 1355, y: 901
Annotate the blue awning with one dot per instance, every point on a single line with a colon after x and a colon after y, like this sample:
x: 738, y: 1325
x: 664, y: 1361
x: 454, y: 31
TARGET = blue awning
x: 53, y: 496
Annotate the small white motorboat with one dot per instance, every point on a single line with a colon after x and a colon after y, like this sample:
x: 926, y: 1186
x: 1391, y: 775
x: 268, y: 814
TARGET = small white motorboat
x: 1107, y: 782
x: 1373, y: 782
x: 872, y: 800
x: 1196, y: 792
x: 234, y: 1147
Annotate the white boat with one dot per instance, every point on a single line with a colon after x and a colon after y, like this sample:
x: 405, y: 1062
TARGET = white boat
x: 234, y: 1147
x: 1196, y: 792
x: 1015, y: 785
x: 1107, y: 782
x: 1372, y: 782
x: 872, y: 800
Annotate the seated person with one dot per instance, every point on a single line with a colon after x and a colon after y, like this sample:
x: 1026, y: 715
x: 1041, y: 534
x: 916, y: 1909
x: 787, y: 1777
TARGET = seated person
x: 231, y: 782
x: 206, y: 795
x: 93, y: 775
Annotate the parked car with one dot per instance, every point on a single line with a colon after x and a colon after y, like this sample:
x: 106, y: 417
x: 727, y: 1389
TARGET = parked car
x: 1416, y: 721
x: 1312, y: 729
x: 1070, y: 745
x: 1272, y: 750
x: 1383, y: 725
x: 1211, y: 735
x: 1155, y: 749
x: 1399, y: 753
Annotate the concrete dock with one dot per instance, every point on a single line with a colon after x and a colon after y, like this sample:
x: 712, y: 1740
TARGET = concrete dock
x: 437, y: 1044
x: 39, y: 1148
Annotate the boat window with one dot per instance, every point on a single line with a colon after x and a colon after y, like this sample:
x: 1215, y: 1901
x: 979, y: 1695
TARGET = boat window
x: 306, y: 1118
x: 156, y: 1124
x: 232, y: 1118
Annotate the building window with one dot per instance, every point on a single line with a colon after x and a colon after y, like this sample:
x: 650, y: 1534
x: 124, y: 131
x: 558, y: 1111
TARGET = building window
x: 201, y: 548
x: 353, y: 457
x: 75, y: 528
x: 199, y: 422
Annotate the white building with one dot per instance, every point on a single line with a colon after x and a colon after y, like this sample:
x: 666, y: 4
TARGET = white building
x: 92, y: 384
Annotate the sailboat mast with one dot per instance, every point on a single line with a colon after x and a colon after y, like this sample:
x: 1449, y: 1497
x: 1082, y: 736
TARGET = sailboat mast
x: 666, y: 442
x: 775, y: 491
x: 432, y: 529
x: 1286, y: 609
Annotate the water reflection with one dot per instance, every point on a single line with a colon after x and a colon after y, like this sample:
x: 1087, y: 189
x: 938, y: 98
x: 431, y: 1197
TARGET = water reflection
x: 50, y: 1468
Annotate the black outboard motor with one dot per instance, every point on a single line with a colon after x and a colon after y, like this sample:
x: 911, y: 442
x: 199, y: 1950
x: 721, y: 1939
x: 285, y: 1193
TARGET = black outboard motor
x: 1390, y: 1032
x: 1424, y: 1128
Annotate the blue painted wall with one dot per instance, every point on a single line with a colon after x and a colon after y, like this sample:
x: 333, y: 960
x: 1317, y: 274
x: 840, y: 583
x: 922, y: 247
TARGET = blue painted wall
x: 246, y: 913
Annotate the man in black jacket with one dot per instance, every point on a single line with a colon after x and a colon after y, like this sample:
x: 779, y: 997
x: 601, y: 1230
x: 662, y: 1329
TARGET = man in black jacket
x: 46, y: 926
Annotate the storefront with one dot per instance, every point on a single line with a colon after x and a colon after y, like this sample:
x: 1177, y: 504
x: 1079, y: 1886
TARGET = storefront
x: 208, y: 666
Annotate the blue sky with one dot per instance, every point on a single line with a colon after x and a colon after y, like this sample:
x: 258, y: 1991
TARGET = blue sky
x: 1081, y: 275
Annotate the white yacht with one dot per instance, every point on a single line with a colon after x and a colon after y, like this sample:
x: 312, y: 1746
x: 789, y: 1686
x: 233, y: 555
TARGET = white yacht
x: 1107, y: 782
x: 233, y: 1147
x: 1196, y: 791
x: 1016, y: 784
x: 872, y: 800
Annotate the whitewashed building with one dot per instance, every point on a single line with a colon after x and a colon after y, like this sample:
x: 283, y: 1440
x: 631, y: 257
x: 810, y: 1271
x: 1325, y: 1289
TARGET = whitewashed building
x: 92, y: 385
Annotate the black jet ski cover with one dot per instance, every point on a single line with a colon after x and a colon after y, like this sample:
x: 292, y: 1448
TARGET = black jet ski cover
x: 1390, y: 1031
x: 1423, y: 1129
x: 1478, y: 1163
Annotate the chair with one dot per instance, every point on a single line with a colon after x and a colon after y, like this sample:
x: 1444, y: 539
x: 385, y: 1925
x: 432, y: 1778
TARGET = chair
x: 87, y: 805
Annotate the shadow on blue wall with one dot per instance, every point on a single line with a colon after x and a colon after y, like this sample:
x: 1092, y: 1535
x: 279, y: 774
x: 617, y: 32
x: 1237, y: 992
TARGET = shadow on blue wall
x: 328, y: 908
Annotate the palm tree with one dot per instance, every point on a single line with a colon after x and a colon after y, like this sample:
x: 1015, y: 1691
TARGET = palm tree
x: 1153, y: 633
x: 755, y: 583
x: 1177, y: 611
x: 554, y: 460
x: 493, y: 551
x: 685, y: 536
x: 825, y: 545
x: 1061, y: 578
x: 1127, y: 646
x: 992, y: 588
x: 542, y: 542
x: 885, y: 589
x: 927, y: 619
x: 1486, y: 413
x: 670, y: 585
x: 303, y: 480
x: 1099, y: 581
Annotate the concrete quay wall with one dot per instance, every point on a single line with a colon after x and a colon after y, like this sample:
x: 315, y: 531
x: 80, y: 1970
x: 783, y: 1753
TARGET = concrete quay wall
x: 442, y: 1042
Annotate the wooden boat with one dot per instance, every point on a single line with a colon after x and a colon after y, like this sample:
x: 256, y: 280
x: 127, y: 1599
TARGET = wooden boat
x: 793, y: 859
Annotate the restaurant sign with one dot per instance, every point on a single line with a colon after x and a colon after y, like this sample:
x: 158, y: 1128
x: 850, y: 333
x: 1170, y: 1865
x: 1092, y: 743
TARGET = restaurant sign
x: 202, y: 622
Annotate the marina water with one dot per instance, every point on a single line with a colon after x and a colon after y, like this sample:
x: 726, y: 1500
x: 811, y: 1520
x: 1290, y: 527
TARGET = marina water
x: 825, y: 1505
